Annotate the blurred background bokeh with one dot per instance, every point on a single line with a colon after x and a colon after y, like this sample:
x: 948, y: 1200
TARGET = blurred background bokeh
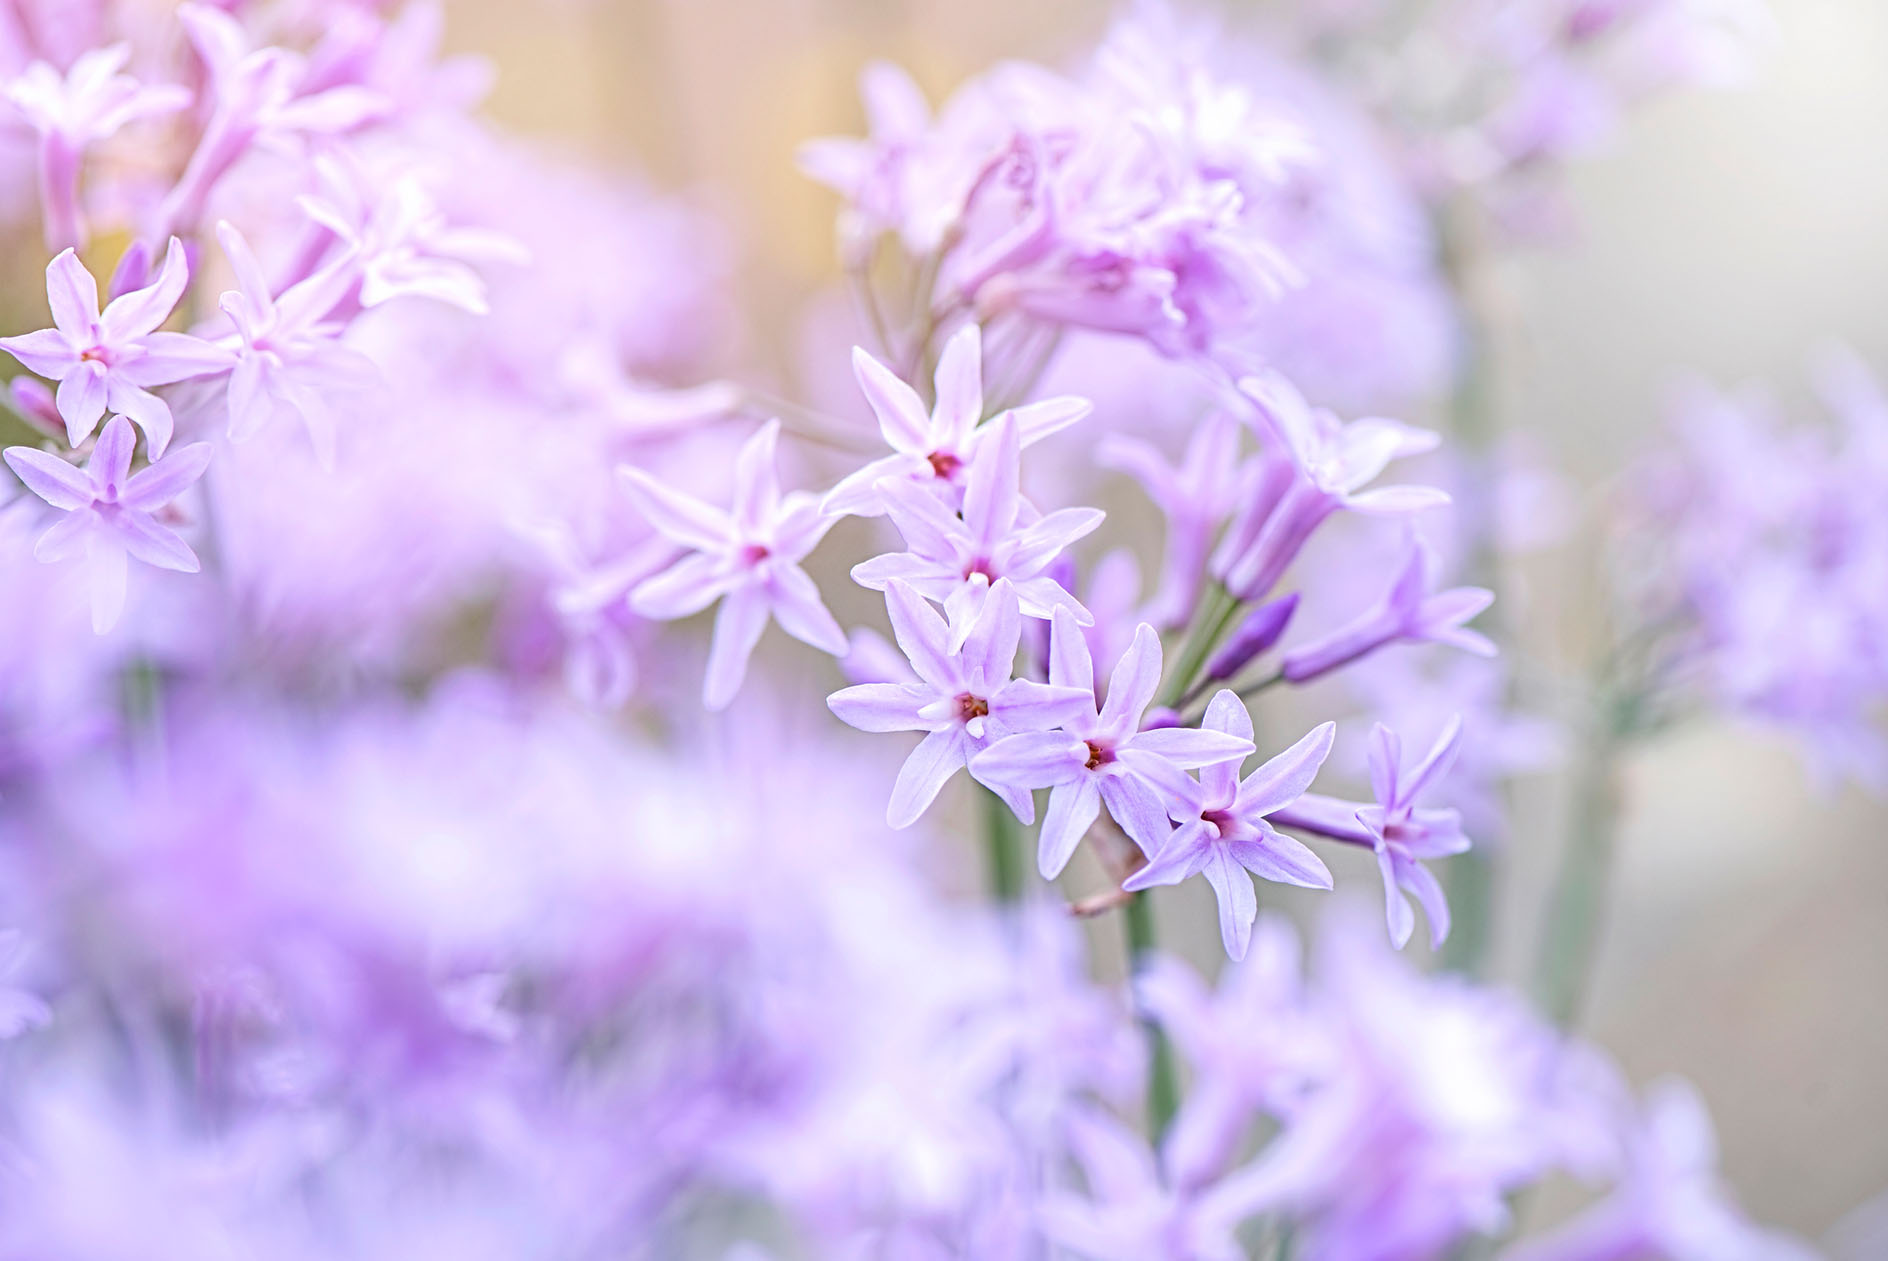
x: 1733, y: 235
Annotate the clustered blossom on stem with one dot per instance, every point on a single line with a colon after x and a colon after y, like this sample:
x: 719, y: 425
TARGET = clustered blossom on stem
x: 380, y: 890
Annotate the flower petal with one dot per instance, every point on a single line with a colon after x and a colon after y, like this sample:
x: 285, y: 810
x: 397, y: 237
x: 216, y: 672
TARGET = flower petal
x: 1132, y: 686
x: 1073, y: 809
x: 1032, y: 759
x: 801, y: 613
x: 1190, y: 748
x: 151, y: 413
x: 51, y: 478
x: 924, y: 774
x: 1238, y: 902
x: 923, y: 636
x: 678, y: 516
x: 154, y: 544
x: 743, y: 616
x: 81, y: 400
x: 72, y: 293
x: 959, y: 383
x: 1282, y: 859
x: 1287, y: 776
x: 142, y: 311
x: 153, y: 487
x: 901, y: 415
x: 880, y: 707
x: 1184, y: 854
x: 687, y: 587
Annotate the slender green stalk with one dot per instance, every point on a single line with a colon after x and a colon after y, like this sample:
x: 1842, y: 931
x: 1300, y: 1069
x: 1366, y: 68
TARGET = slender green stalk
x: 1002, y: 849
x: 1577, y: 906
x: 1163, y: 1074
x: 1217, y: 609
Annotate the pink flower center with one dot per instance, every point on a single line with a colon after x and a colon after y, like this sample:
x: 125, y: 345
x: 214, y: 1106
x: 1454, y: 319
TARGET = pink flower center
x: 944, y: 464
x: 1221, y: 820
x: 1099, y: 755
x: 969, y: 707
x: 979, y: 566
x: 754, y: 553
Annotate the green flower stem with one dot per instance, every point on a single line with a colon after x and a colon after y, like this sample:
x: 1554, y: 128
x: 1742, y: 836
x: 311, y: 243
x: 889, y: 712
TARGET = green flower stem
x: 1217, y: 609
x: 1163, y: 1074
x: 1002, y: 849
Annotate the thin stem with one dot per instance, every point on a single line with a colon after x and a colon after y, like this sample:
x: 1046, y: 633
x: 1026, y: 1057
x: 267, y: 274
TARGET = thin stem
x: 1216, y: 611
x: 1002, y: 849
x: 1576, y: 912
x: 1163, y: 1074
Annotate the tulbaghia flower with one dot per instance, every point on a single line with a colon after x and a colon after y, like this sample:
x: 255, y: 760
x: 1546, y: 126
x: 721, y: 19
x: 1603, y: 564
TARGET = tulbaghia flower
x: 110, y: 511
x: 1670, y: 1203
x: 1131, y: 1214
x: 400, y: 243
x: 936, y: 449
x: 1408, y: 613
x: 1401, y: 833
x: 71, y: 112
x: 1222, y: 829
x: 1101, y: 756
x: 954, y: 559
x: 748, y: 557
x: 291, y: 362
x: 1194, y: 496
x: 112, y: 360
x: 1331, y: 464
x: 962, y: 694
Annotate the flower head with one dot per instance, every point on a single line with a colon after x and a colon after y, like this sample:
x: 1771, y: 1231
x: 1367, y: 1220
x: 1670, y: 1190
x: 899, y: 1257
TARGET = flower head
x: 111, y: 511
x: 1101, y: 755
x: 1223, y: 832
x: 748, y: 557
x: 960, y: 692
x: 111, y: 360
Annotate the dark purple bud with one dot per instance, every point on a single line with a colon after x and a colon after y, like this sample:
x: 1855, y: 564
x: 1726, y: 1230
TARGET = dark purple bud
x: 1263, y: 627
x: 1159, y: 718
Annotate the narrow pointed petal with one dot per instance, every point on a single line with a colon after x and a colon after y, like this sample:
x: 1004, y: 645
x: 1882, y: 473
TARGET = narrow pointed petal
x: 1436, y: 763
x: 681, y: 517
x: 1283, y: 860
x: 1238, y: 901
x: 856, y: 494
x: 1183, y: 855
x: 105, y: 564
x: 73, y: 295
x: 685, y: 588
x: 1032, y: 759
x: 1070, y: 662
x: 880, y: 707
x: 927, y: 525
x: 164, y: 358
x: 922, y: 635
x: 1386, y: 755
x: 1134, y: 804
x: 801, y: 613
x: 1048, y: 538
x: 51, y: 478
x: 1286, y: 777
x: 901, y: 415
x: 1073, y: 809
x: 153, y: 487
x: 1036, y: 421
x: 938, y: 757
x: 756, y: 481
x: 1419, y: 880
x: 738, y: 625
x: 65, y: 538
x: 45, y: 353
x: 1026, y: 705
x: 142, y: 311
x: 1397, y: 912
x: 110, y: 462
x: 991, y: 490
x: 1190, y: 748
x: 153, y: 544
x: 81, y: 400
x: 1135, y: 679
x: 959, y: 386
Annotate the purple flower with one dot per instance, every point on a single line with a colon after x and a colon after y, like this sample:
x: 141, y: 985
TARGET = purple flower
x: 1195, y: 497
x: 937, y: 448
x: 1331, y: 464
x: 962, y: 694
x: 72, y: 111
x: 112, y: 360
x: 1670, y: 1202
x: 747, y: 557
x: 111, y: 511
x: 1101, y: 755
x: 1408, y: 613
x: 1399, y: 831
x: 401, y: 244
x: 953, y: 559
x: 1223, y: 832
x: 290, y: 361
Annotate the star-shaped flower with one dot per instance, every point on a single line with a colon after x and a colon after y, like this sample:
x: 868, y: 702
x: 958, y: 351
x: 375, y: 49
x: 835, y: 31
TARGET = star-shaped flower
x: 935, y: 449
x: 1408, y: 613
x: 1101, y: 755
x: 961, y: 693
x: 111, y: 510
x: 748, y: 557
x: 112, y: 360
x: 1223, y: 831
x: 1194, y: 496
x: 71, y: 112
x: 954, y: 559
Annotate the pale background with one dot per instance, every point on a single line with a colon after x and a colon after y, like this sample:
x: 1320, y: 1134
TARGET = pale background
x: 1733, y: 235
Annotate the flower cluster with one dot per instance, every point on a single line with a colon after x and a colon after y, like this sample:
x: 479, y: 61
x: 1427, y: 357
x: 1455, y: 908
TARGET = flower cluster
x: 394, y: 870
